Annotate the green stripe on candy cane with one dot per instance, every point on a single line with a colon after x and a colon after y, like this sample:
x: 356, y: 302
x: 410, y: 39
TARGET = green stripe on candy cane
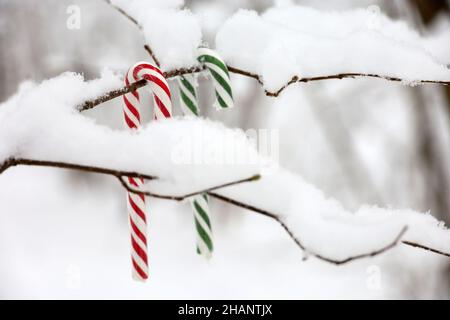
x: 200, y: 207
x: 203, y: 226
x: 188, y: 95
x: 220, y: 75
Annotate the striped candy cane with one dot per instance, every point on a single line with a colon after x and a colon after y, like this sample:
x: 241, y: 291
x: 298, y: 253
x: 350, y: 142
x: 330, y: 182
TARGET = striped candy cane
x: 136, y: 202
x: 221, y: 78
x: 189, y: 106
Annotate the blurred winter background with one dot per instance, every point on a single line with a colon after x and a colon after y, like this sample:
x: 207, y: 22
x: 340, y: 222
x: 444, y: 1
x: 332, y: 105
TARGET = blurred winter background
x: 65, y: 234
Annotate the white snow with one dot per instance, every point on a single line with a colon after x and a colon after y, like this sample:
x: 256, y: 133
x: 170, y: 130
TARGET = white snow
x: 324, y: 226
x: 173, y: 34
x: 190, y: 154
x: 293, y: 40
x: 289, y: 40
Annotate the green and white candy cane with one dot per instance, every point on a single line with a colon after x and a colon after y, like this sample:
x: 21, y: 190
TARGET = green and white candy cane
x: 202, y: 219
x: 202, y: 213
x: 220, y: 75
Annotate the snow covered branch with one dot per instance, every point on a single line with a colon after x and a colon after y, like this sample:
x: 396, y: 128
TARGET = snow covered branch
x: 293, y: 79
x: 120, y: 175
x: 112, y: 95
x: 396, y: 241
x: 301, y: 245
x: 173, y: 73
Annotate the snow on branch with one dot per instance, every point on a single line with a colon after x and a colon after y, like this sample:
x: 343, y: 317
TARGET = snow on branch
x: 188, y: 154
x: 90, y: 104
x: 312, y: 253
x: 292, y: 44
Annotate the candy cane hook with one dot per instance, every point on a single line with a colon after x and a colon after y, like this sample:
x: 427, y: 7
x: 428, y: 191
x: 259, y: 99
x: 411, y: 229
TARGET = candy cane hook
x: 137, y: 210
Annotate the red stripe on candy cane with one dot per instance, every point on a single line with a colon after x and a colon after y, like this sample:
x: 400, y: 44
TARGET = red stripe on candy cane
x: 132, y: 109
x: 137, y: 210
x: 138, y: 233
x: 139, y: 271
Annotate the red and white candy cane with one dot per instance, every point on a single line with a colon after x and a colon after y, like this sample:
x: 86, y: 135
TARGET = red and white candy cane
x: 136, y: 202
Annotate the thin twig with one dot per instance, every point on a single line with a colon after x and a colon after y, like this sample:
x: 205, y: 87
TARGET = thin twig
x: 296, y: 240
x: 64, y: 165
x: 188, y: 195
x: 152, y: 54
x: 111, y: 95
x: 420, y: 246
x: 350, y: 75
x: 255, y: 76
x: 300, y: 244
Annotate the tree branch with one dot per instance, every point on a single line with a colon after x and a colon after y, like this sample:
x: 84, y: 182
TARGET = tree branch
x: 351, y: 75
x: 120, y: 175
x: 257, y: 77
x: 420, y: 246
x: 188, y: 195
x: 152, y: 54
x: 297, y: 240
x: 111, y: 95
x: 318, y: 256
x: 64, y: 165
x: 178, y: 72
